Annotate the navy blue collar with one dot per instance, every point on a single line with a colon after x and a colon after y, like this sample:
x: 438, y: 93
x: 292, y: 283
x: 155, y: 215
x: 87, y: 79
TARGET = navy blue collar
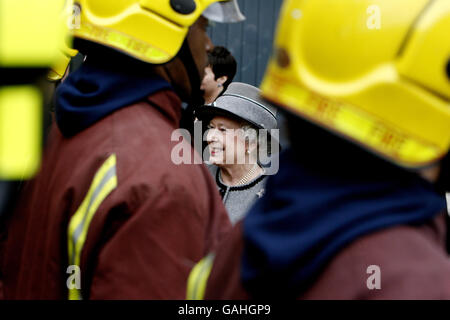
x: 96, y: 90
x: 306, y: 217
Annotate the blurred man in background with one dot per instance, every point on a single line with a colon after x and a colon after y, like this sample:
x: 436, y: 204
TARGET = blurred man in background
x: 219, y: 73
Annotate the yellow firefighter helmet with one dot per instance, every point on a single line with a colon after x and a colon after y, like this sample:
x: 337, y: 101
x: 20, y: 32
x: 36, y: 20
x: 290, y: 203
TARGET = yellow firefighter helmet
x: 374, y: 72
x: 149, y: 30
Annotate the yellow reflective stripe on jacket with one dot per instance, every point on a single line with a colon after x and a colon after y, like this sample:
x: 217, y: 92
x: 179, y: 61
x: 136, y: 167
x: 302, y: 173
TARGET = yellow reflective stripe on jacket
x: 199, y: 277
x: 104, y: 182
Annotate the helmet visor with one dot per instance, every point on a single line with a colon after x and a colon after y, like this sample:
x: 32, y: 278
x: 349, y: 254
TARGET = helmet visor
x: 224, y: 12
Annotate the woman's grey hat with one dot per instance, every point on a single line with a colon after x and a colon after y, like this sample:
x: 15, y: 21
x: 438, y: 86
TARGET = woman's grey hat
x: 242, y: 101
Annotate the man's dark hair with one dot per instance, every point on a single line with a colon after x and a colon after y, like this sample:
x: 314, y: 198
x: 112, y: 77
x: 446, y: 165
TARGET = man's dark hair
x: 222, y: 64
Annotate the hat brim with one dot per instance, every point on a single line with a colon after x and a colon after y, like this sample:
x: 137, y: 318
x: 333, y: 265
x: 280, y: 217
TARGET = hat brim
x: 208, y: 112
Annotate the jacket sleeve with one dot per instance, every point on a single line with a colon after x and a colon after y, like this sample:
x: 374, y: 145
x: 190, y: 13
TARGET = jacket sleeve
x: 151, y: 252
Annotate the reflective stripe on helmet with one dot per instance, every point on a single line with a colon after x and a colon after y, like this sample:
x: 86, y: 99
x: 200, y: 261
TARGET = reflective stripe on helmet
x: 148, y: 30
x: 380, y: 136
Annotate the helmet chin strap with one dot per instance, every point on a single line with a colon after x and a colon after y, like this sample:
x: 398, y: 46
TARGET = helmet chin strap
x: 185, y: 55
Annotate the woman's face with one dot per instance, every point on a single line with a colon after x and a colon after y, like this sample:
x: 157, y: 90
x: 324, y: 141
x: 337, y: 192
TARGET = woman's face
x: 226, y: 142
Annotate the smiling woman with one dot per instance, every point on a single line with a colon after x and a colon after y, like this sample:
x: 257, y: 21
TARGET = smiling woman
x: 228, y: 144
x: 235, y: 145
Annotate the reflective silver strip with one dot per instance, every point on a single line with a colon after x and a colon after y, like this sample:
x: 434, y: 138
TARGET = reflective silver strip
x: 76, y: 234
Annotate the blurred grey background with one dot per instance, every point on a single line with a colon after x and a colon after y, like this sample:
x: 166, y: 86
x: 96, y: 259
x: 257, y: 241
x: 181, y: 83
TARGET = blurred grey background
x: 250, y: 41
